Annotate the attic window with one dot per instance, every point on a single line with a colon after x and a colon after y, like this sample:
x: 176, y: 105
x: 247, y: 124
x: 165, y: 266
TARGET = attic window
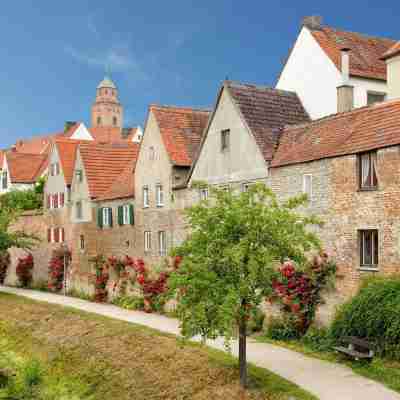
x: 115, y: 121
x: 225, y: 139
x: 375, y: 97
x: 79, y: 175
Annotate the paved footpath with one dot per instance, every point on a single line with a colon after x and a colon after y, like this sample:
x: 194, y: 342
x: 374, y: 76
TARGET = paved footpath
x: 328, y: 381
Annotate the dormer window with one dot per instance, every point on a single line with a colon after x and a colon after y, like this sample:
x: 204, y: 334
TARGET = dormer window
x: 367, y: 171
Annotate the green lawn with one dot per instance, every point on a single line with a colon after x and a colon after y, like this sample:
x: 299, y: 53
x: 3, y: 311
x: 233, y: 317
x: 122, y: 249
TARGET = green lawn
x: 380, y: 370
x: 49, y: 352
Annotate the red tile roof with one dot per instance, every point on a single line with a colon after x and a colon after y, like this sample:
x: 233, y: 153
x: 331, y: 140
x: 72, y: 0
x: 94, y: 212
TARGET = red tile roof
x: 366, y: 51
x: 104, y: 134
x: 124, y: 186
x: 393, y: 51
x: 362, y: 129
x: 104, y: 164
x: 266, y: 111
x: 25, y: 168
x: 181, y: 130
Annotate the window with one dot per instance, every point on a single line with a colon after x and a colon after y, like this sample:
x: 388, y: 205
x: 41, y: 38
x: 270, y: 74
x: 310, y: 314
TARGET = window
x: 246, y: 186
x: 82, y: 242
x: 307, y: 185
x: 204, y: 194
x: 79, y: 175
x: 78, y: 210
x: 104, y: 217
x: 147, y: 241
x: 54, y: 169
x: 369, y: 248
x: 225, y: 136
x: 98, y: 121
x: 368, y: 171
x: 375, y: 97
x: 55, y: 235
x: 5, y: 180
x: 152, y: 153
x: 146, y: 197
x: 162, y: 243
x: 115, y: 121
x: 159, y: 195
x: 125, y: 215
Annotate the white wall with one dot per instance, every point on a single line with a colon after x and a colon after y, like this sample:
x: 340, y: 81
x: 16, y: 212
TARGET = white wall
x: 243, y: 161
x: 82, y: 133
x: 80, y: 192
x: 315, y: 78
x: 55, y: 184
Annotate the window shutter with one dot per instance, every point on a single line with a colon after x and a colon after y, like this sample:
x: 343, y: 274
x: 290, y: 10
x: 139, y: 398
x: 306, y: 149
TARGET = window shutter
x: 110, y: 216
x: 56, y: 235
x: 120, y: 215
x: 131, y: 215
x: 62, y: 199
x: 62, y: 235
x: 49, y: 235
x: 48, y: 201
x: 100, y: 218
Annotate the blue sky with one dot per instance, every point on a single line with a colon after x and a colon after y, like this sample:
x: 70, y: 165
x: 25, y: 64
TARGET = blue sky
x: 170, y: 52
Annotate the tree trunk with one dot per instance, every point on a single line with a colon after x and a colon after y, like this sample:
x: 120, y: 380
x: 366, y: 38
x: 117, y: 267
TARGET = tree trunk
x: 242, y: 353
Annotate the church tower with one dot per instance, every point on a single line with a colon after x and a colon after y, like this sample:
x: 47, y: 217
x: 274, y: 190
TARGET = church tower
x: 107, y: 110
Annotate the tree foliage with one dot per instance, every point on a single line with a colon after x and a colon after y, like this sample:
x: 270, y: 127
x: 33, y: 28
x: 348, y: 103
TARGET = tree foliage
x: 231, y: 256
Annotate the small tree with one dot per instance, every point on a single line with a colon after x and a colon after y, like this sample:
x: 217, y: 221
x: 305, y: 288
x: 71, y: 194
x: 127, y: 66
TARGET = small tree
x: 230, y: 258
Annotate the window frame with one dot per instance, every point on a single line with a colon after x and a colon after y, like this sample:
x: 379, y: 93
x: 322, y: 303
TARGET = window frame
x: 147, y: 241
x: 162, y: 243
x: 375, y: 93
x: 79, y: 206
x: 146, y: 196
x: 159, y: 195
x: 374, y: 171
x: 374, y: 251
x: 225, y: 140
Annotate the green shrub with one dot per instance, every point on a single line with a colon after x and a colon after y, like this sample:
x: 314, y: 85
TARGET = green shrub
x: 318, y: 339
x: 282, y: 328
x: 129, y: 302
x: 374, y: 314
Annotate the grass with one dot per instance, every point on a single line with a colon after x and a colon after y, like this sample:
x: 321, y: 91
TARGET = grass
x: 381, y: 370
x: 76, y: 355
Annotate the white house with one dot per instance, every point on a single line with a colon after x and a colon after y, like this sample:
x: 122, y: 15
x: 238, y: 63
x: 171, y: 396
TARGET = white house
x: 314, y: 67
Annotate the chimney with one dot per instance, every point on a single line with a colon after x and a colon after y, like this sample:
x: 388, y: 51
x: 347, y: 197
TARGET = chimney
x: 392, y: 58
x: 68, y: 125
x: 345, y: 92
x: 313, y: 22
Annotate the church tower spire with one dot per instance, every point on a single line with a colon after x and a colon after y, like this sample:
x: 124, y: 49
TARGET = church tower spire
x: 107, y: 111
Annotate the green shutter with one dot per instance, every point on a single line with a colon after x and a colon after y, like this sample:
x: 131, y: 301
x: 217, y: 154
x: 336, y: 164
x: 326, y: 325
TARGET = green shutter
x: 110, y: 214
x: 120, y: 215
x: 131, y: 215
x: 100, y: 218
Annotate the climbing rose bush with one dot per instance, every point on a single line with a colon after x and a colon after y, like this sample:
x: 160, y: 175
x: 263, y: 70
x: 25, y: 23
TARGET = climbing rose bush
x: 24, y: 270
x: 299, y: 292
x: 56, y: 269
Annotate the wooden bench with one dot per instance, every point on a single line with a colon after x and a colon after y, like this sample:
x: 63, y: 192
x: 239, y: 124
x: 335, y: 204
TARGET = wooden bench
x: 358, y: 349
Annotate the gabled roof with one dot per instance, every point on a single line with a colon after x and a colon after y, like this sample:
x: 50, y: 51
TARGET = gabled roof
x: 181, y: 130
x: 266, y: 111
x: 104, y: 164
x: 360, y: 130
x: 366, y: 51
x: 25, y: 168
x: 66, y: 149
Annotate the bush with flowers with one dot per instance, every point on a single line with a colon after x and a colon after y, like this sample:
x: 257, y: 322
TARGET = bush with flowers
x: 56, y: 269
x: 149, y: 287
x: 299, y: 292
x: 4, y: 264
x: 24, y: 270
